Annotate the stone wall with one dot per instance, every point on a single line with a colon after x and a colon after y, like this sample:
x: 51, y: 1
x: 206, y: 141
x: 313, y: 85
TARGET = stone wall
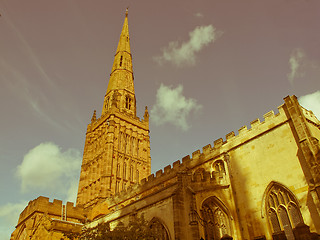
x: 60, y: 217
x: 258, y: 157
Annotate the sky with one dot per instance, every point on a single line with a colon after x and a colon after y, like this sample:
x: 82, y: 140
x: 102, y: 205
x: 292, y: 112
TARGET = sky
x: 204, y: 68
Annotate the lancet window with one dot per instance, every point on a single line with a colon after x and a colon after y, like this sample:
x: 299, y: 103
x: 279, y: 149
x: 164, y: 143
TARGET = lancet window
x: 283, y: 211
x: 121, y: 61
x: 138, y: 147
x: 118, y: 170
x: 125, y: 171
x: 137, y: 175
x: 131, y: 173
x: 117, y: 186
x: 128, y: 102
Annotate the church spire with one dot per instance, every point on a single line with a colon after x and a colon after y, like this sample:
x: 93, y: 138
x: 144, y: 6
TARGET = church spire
x: 123, y: 59
x: 117, y: 148
x: 121, y: 77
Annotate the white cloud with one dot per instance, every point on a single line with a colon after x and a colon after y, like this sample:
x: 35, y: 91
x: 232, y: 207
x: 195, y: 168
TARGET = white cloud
x: 172, y: 107
x: 301, y: 66
x: 311, y: 102
x: 72, y: 191
x: 9, y: 215
x: 44, y: 170
x: 296, y: 63
x: 199, y: 15
x: 47, y: 169
x: 184, y: 53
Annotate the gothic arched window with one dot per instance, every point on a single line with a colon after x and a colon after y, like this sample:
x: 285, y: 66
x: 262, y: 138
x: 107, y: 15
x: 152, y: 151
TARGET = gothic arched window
x: 216, y: 219
x: 218, y: 166
x: 128, y: 102
x: 283, y: 211
x: 198, y: 174
x: 131, y: 173
x: 219, y: 170
x: 118, y: 170
x: 159, y: 232
x: 117, y: 186
x: 137, y: 175
x: 125, y: 171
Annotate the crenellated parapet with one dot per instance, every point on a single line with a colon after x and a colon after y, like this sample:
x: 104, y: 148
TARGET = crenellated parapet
x: 232, y: 140
x: 309, y: 115
x: 55, y: 209
x: 206, y: 170
x: 164, y: 179
x: 209, y: 154
x: 198, y: 157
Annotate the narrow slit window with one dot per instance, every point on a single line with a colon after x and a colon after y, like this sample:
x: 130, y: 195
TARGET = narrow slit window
x: 121, y: 61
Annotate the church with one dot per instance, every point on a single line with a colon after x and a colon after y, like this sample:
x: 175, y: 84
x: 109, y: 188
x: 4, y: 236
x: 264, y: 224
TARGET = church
x: 261, y: 183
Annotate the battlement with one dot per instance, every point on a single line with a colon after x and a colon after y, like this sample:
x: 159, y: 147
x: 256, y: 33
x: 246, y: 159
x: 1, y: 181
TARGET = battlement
x: 244, y: 133
x: 217, y: 149
x: 166, y: 181
x: 54, y: 209
x: 257, y: 127
x: 309, y: 115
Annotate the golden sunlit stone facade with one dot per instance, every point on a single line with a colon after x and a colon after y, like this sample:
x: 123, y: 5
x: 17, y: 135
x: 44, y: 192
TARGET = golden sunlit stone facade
x: 117, y: 147
x: 262, y: 183
x: 42, y: 219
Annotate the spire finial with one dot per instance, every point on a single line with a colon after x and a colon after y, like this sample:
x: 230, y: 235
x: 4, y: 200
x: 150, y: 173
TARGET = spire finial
x: 146, y: 114
x: 127, y: 11
x: 94, y: 116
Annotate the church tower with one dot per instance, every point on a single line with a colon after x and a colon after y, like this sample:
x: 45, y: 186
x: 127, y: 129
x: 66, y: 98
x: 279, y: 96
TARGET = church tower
x: 117, y: 147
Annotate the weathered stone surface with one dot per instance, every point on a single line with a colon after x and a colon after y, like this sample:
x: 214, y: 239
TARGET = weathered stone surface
x: 263, y: 183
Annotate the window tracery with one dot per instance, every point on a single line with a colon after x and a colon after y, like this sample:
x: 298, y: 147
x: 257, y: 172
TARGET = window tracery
x: 283, y: 211
x: 219, y: 170
x: 218, y: 166
x: 159, y: 230
x: 216, y: 219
